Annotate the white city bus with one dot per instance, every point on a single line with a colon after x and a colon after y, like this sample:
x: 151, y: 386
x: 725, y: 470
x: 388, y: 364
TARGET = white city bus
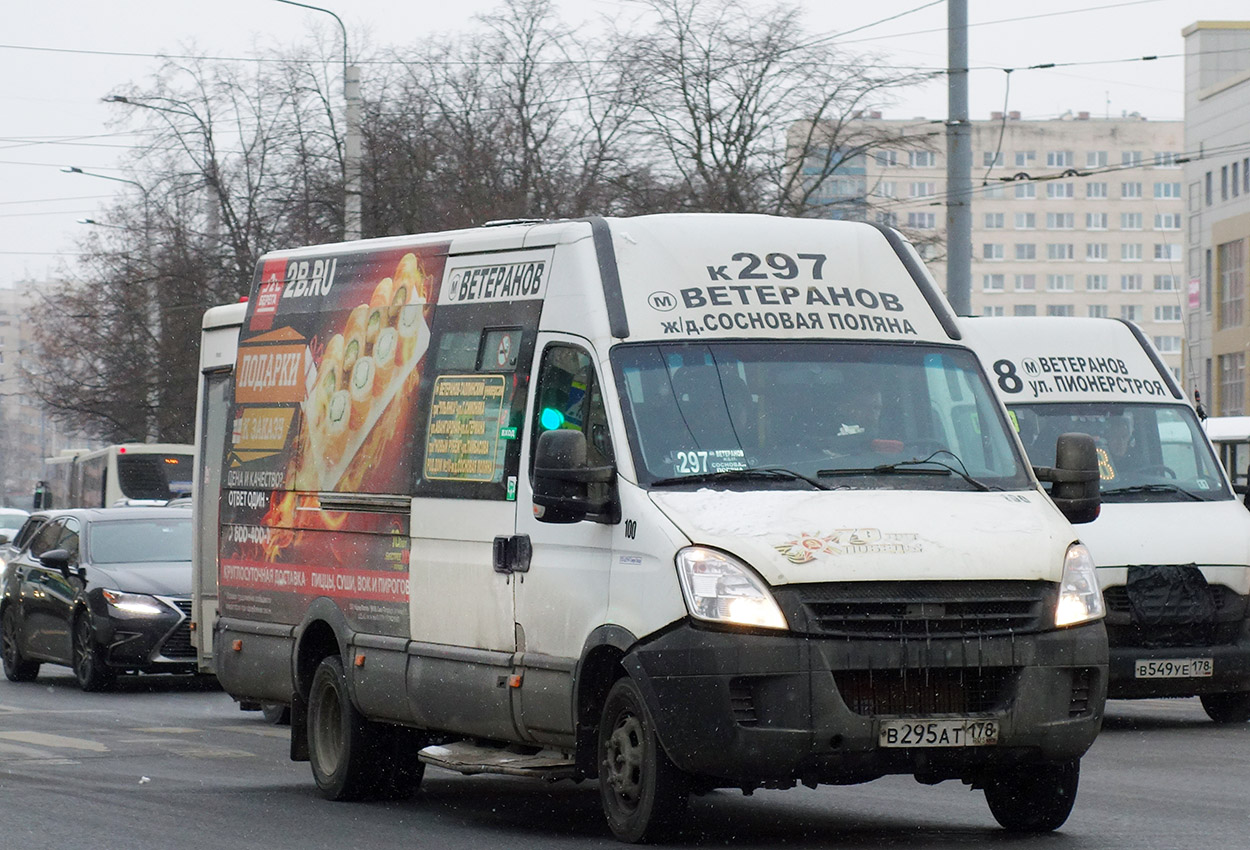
x: 123, y: 474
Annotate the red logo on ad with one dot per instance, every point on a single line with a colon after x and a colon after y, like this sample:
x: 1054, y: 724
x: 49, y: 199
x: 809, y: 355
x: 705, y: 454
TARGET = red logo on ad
x: 272, y: 280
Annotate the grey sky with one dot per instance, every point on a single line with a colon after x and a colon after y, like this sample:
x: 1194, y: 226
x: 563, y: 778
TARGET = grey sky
x: 58, y: 59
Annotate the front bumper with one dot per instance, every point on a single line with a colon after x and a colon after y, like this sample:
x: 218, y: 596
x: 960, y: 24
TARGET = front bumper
x: 1231, y: 671
x: 150, y: 644
x: 767, y: 709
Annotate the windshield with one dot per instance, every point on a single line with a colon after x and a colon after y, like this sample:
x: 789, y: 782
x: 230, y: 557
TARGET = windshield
x: 140, y: 541
x: 1146, y: 452
x: 774, y: 414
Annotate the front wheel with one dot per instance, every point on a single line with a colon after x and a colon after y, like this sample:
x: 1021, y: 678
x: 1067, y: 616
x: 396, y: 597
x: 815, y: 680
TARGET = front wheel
x: 1227, y: 708
x: 89, y: 667
x: 16, y: 667
x: 644, y: 794
x: 1034, y: 798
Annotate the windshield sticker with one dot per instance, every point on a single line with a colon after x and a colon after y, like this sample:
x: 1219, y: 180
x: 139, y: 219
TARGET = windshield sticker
x: 1036, y: 377
x: 805, y: 547
x: 720, y: 460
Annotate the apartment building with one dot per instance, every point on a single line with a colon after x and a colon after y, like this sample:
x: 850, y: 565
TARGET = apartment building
x: 1073, y: 216
x: 1217, y: 180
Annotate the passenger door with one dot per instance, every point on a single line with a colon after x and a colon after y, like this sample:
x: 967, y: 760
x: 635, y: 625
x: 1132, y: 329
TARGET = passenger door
x: 563, y: 596
x: 47, y: 594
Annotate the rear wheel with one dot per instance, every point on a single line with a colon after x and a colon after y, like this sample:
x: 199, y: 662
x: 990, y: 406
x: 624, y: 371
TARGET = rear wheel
x: 644, y: 794
x: 89, y: 667
x: 16, y: 667
x: 1227, y: 708
x: 1034, y: 798
x: 351, y: 758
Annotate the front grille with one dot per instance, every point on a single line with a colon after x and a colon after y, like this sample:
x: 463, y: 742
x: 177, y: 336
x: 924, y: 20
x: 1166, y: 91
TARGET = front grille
x: 1224, y: 627
x: 922, y: 692
x: 178, y: 644
x: 920, y: 609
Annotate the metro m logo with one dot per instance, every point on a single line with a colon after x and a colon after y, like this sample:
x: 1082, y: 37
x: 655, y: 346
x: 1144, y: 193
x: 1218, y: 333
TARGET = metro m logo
x: 662, y: 301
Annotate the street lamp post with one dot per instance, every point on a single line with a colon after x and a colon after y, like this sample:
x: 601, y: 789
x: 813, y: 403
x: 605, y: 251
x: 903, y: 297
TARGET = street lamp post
x: 351, y: 141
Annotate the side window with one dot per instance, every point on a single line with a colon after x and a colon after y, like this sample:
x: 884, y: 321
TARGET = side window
x: 570, y: 397
x: 46, y: 539
x: 68, y: 538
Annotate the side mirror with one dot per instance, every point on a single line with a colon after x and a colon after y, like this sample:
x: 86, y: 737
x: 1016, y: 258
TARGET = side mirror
x: 562, y: 479
x: 1075, y: 478
x: 56, y: 559
x: 4, y: 538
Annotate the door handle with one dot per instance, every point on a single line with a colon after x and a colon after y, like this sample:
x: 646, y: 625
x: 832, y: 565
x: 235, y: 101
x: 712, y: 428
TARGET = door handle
x: 512, y: 554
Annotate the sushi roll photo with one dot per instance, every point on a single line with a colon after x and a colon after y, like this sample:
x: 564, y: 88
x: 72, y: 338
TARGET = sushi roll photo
x: 409, y: 328
x: 354, y: 337
x: 409, y: 281
x: 360, y: 386
x: 337, y: 428
x: 384, y: 354
x: 379, y: 310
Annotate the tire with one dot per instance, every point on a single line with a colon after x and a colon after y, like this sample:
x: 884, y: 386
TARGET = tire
x: 276, y: 714
x: 351, y: 758
x: 643, y: 793
x: 1227, y: 708
x: 1034, y: 798
x: 88, y: 661
x: 16, y: 667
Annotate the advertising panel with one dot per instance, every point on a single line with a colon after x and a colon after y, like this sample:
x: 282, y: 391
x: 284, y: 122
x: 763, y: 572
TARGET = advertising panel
x: 330, y: 367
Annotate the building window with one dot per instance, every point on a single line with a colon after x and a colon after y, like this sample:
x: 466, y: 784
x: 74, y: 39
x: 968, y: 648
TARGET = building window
x: 1223, y: 182
x: 923, y: 190
x: 1060, y: 310
x: 1167, y: 283
x: 992, y: 282
x: 1026, y: 251
x: 1168, y: 344
x: 1233, y: 384
x: 995, y: 191
x: 1168, y: 190
x: 1235, y: 181
x: 1060, y: 190
x: 1245, y: 176
x: 1207, y: 187
x: 990, y: 158
x: 922, y: 159
x: 1167, y: 221
x: 1095, y: 159
x: 1132, y: 312
x: 1095, y: 221
x: 1167, y: 159
x: 886, y: 159
x: 1096, y: 251
x: 1231, y: 260
x: 1167, y: 253
x: 1060, y: 251
x: 1095, y: 190
x: 1058, y: 159
x: 994, y: 221
x: 1167, y: 312
x: 1060, y: 221
x: 1130, y: 283
x: 1130, y: 221
x: 1098, y: 311
x: 995, y: 310
x: 1026, y: 190
x: 1130, y: 191
x: 1059, y: 282
x: 1130, y: 158
x: 1026, y: 282
x: 1025, y: 157
x: 1130, y: 252
x: 888, y: 219
x: 1024, y: 310
x: 991, y: 251
x: 1026, y: 221
x: 1096, y: 282
x: 885, y: 189
x: 921, y: 220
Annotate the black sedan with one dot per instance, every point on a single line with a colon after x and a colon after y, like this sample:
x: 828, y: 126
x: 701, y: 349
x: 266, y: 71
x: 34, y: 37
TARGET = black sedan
x: 104, y: 591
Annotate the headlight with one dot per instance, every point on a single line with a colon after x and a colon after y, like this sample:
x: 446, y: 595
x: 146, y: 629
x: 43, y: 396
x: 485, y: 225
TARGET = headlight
x: 133, y: 603
x: 721, y: 589
x: 1080, y: 600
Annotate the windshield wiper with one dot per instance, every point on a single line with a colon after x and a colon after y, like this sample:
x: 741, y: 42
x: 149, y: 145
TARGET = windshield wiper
x: 1152, y: 488
x: 928, y: 466
x: 758, y: 473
